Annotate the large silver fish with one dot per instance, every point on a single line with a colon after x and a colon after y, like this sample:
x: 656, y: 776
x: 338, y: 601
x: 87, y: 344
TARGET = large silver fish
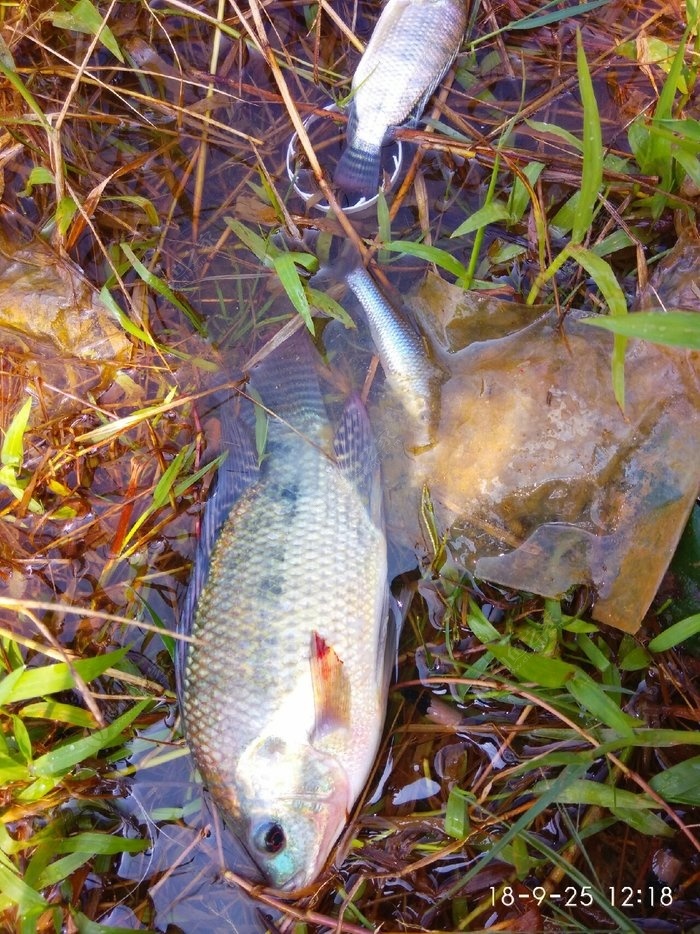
x: 411, y: 48
x: 414, y: 378
x: 284, y: 691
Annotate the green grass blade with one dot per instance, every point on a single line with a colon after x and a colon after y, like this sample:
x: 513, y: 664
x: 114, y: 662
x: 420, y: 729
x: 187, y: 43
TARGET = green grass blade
x: 59, y: 713
x: 521, y: 193
x: 547, y: 672
x: 672, y: 328
x: 535, y: 20
x: 644, y: 822
x: 676, y: 634
x: 591, y: 696
x: 488, y: 214
x: 162, y: 490
x: 37, y: 682
x: 16, y: 888
x: 60, y: 760
x: 85, y: 17
x: 679, y: 783
x: 432, y: 254
x: 162, y: 288
x: 592, y: 171
x: 604, y: 277
x: 583, y: 791
x: 286, y: 269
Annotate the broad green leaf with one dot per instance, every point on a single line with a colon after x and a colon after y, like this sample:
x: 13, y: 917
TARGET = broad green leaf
x: 37, y: 682
x: 12, y: 451
x: 85, y: 17
x: 21, y: 734
x: 690, y: 164
x: 38, y: 789
x: 592, y: 652
x: 680, y: 783
x: 148, y: 207
x: 329, y: 306
x: 492, y: 213
x: 672, y: 328
x: 431, y: 254
x: 547, y: 672
x: 617, y: 240
x: 16, y: 888
x: 64, y: 214
x: 457, y: 812
x: 644, y: 822
x: 85, y: 926
x: 12, y: 771
x: 591, y: 696
x: 484, y: 631
x: 688, y: 128
x: 262, y: 423
x: 553, y: 130
x: 59, y: 760
x: 262, y: 249
x: 183, y: 485
x: 383, y: 224
x: 7, y: 68
x: 60, y: 869
x: 636, y: 659
x: 39, y: 175
x: 676, y: 634
x: 288, y: 273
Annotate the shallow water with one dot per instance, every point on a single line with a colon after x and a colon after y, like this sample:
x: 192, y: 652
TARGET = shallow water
x: 77, y: 560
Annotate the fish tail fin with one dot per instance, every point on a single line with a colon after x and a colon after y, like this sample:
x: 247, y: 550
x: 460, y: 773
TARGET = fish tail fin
x: 358, y: 169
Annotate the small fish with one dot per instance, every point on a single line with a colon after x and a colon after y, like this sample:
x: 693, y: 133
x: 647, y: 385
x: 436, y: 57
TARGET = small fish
x: 284, y: 691
x: 411, y: 374
x: 413, y: 44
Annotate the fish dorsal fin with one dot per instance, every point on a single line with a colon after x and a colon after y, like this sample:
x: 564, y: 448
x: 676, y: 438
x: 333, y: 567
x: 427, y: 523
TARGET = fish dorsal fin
x: 288, y: 385
x: 356, y: 454
x: 331, y: 688
x: 238, y: 472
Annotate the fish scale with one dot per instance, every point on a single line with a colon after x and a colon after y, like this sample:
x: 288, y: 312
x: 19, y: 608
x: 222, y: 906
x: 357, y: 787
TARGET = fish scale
x: 284, y: 689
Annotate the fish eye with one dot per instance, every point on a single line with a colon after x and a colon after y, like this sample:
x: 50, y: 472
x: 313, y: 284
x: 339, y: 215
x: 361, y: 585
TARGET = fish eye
x: 270, y: 838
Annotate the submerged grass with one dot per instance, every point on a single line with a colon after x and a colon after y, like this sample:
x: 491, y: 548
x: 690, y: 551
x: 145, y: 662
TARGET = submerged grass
x: 543, y: 771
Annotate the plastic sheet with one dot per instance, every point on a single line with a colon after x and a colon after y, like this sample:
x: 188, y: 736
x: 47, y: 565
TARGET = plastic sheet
x: 543, y: 482
x: 47, y: 304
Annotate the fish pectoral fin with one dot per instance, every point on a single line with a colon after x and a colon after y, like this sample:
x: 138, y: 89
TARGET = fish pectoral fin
x: 331, y: 688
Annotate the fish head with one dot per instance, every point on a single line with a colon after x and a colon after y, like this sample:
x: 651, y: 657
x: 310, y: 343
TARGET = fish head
x: 294, y: 802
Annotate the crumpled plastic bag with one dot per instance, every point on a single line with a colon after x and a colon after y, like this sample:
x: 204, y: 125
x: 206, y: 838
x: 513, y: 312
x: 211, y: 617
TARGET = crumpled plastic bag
x: 47, y: 304
x: 543, y: 482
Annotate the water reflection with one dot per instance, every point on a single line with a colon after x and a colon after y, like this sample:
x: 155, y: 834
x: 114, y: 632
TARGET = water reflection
x: 191, y: 847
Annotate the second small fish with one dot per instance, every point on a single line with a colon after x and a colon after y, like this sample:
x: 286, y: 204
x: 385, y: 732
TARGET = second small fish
x: 411, y: 48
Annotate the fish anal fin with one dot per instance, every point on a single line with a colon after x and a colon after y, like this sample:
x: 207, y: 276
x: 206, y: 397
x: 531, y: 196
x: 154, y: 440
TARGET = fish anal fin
x: 331, y: 688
